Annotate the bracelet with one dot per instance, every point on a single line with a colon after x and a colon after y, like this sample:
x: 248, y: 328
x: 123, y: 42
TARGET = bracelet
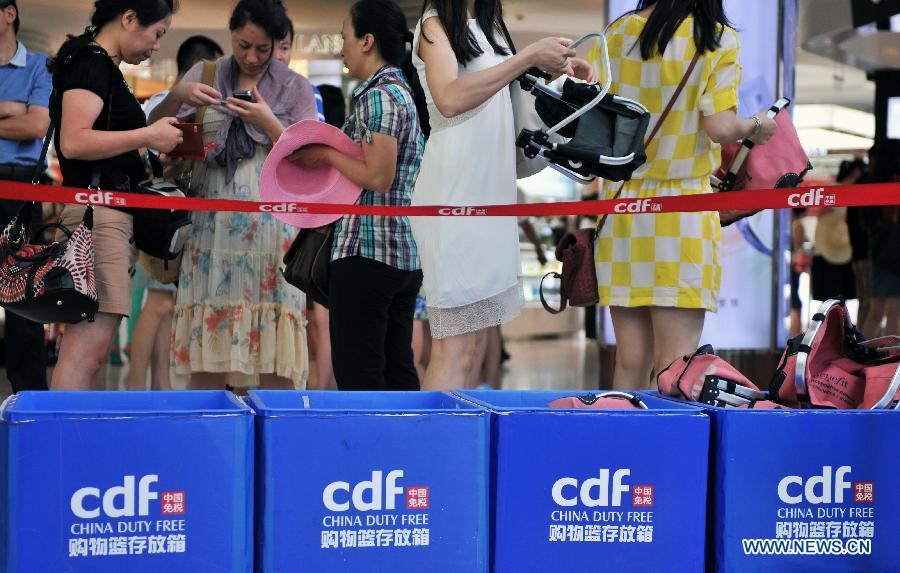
x: 758, y: 127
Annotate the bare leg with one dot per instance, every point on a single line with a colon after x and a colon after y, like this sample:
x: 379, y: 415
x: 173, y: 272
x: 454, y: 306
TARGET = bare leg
x: 421, y: 346
x: 634, y: 347
x: 492, y: 357
x: 324, y: 379
x: 85, y: 348
x: 159, y: 371
x: 872, y: 327
x: 451, y: 360
x: 474, y: 374
x: 158, y: 307
x: 676, y: 333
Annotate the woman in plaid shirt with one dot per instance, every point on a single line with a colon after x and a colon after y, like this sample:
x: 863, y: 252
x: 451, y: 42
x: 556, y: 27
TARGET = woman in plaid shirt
x: 375, y: 271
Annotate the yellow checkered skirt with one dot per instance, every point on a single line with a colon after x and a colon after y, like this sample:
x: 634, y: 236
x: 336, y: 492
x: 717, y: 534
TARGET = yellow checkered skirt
x: 660, y: 259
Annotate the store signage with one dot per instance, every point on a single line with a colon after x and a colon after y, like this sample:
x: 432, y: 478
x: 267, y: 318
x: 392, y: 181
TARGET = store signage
x: 312, y: 44
x: 868, y: 11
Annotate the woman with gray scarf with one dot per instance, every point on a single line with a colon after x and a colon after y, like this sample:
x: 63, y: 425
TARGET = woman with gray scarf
x: 237, y: 322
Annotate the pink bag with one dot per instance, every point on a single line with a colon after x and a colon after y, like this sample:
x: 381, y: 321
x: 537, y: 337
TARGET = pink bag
x: 602, y: 401
x: 833, y: 366
x: 705, y: 378
x: 779, y: 163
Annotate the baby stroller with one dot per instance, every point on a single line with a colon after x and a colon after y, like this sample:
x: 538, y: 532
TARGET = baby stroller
x: 781, y: 163
x: 604, y: 133
x: 833, y: 366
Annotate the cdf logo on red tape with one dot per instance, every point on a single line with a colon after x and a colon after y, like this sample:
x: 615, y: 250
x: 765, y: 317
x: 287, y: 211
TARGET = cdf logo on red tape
x: 639, y: 206
x: 99, y: 198
x: 282, y: 208
x: 461, y: 211
x: 812, y: 198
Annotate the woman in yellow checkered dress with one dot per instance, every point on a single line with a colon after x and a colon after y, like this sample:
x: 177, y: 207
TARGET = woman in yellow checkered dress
x: 659, y: 273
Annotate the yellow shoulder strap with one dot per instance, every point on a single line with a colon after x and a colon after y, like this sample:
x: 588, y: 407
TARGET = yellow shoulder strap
x: 208, y: 78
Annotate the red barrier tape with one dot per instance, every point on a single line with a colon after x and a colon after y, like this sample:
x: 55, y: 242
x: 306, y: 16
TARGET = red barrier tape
x: 837, y: 196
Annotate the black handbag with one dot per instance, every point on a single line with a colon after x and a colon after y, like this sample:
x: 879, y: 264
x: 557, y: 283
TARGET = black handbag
x: 308, y: 260
x: 48, y: 283
x: 160, y: 233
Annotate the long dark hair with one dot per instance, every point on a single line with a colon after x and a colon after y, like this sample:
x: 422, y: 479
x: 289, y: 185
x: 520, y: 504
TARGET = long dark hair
x: 148, y: 13
x: 386, y: 22
x: 709, y: 21
x: 455, y: 18
x: 270, y: 15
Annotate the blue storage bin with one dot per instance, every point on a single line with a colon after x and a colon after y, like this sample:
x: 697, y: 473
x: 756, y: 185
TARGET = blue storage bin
x: 98, y: 482
x: 595, y: 490
x: 371, y: 481
x: 804, y: 490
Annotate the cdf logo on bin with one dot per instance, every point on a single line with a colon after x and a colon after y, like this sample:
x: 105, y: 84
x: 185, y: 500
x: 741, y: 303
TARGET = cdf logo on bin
x: 377, y: 494
x: 825, y: 488
x: 601, y: 491
x: 127, y: 500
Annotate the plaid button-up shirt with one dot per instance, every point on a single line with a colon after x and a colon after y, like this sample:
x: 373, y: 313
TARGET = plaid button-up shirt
x: 384, y: 104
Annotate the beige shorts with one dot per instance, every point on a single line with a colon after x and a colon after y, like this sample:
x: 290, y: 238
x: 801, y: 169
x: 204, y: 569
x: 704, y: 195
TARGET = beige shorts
x: 114, y: 255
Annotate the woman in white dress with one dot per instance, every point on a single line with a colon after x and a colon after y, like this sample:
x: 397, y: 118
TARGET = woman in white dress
x: 471, y: 265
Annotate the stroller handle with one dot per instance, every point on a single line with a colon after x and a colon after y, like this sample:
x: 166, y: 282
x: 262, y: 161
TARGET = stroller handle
x: 893, y: 387
x: 633, y: 398
x: 607, y: 82
x: 816, y: 324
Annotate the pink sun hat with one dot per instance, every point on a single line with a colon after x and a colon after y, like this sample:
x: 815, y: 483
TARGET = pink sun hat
x: 283, y: 181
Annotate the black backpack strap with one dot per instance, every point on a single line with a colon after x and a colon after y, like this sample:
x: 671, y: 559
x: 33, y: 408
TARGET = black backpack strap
x: 39, y: 168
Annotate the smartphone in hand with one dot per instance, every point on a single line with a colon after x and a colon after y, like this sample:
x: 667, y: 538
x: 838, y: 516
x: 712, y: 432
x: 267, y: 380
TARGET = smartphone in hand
x: 245, y: 95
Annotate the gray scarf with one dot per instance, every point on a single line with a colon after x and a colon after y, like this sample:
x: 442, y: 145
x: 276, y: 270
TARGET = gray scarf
x: 289, y: 95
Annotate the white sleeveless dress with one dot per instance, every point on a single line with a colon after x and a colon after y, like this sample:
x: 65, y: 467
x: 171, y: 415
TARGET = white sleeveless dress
x: 471, y: 264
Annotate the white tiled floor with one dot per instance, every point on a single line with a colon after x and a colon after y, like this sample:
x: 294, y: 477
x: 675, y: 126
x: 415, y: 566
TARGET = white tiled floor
x: 558, y: 363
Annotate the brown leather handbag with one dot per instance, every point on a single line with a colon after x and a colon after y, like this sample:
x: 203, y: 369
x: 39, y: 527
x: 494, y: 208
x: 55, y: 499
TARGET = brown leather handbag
x: 578, y: 281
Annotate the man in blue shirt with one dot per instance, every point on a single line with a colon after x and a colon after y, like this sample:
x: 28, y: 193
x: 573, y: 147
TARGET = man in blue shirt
x: 25, y: 86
